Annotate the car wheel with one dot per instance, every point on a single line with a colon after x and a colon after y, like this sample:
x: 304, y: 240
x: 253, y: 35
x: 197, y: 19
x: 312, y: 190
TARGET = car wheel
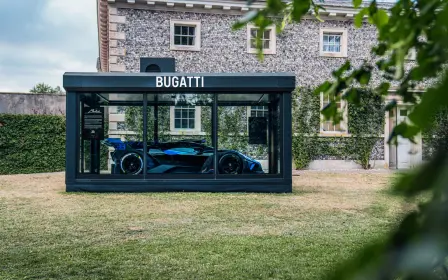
x: 230, y: 164
x: 131, y: 163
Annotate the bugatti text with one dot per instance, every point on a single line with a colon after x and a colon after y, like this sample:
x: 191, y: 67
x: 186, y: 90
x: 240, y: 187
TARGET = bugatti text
x: 181, y: 82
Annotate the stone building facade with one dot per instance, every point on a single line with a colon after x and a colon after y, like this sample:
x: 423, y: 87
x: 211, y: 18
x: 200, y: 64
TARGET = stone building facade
x: 133, y: 29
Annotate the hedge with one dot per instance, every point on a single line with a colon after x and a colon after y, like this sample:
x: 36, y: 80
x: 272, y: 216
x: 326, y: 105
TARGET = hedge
x: 31, y: 144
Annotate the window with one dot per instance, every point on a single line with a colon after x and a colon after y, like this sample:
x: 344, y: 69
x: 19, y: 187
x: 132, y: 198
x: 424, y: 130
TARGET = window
x: 268, y: 39
x: 185, y: 35
x: 184, y: 117
x: 333, y: 42
x: 258, y: 111
x: 327, y: 125
x: 121, y: 125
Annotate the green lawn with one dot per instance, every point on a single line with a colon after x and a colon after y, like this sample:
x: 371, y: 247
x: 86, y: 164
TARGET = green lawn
x: 49, y: 234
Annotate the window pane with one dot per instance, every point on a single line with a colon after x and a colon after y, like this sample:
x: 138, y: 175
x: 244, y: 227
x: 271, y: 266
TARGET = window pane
x: 244, y: 128
x: 191, y: 41
x: 266, y: 44
x: 185, y: 41
x: 191, y: 124
x: 191, y: 114
x: 184, y: 123
x: 177, y: 40
x: 331, y: 39
x: 176, y: 29
x: 192, y: 30
x: 177, y: 123
x: 109, y: 156
x: 253, y: 33
x: 325, y: 48
x: 177, y: 113
x: 338, y: 39
x: 267, y: 34
x: 337, y: 49
x: 184, y: 30
x: 184, y: 113
x: 253, y: 44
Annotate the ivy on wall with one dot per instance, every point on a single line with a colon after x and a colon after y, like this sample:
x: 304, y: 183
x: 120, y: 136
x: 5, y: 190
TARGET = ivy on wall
x: 435, y: 137
x: 31, y: 143
x: 365, y: 125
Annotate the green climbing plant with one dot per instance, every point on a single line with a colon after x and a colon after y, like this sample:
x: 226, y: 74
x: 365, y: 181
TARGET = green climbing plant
x: 365, y: 125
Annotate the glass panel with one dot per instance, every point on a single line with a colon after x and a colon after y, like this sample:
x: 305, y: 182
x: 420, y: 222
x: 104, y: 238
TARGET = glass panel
x: 248, y: 139
x: 184, y: 30
x: 266, y: 44
x: 253, y: 43
x: 177, y: 29
x: 184, y: 41
x: 338, y: 39
x: 403, y: 112
x: 191, y: 30
x: 267, y: 34
x: 177, y: 40
x: 184, y: 123
x: 105, y: 134
x: 180, y: 148
x: 253, y: 33
x: 190, y: 41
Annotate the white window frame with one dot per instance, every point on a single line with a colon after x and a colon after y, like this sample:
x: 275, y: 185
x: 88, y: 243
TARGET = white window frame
x: 197, y: 122
x: 249, y: 110
x: 343, y: 123
x: 197, y: 40
x: 343, y: 49
x: 272, y: 40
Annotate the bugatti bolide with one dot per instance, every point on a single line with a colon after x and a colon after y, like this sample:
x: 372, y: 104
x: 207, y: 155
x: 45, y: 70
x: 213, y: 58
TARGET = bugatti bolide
x: 184, y: 156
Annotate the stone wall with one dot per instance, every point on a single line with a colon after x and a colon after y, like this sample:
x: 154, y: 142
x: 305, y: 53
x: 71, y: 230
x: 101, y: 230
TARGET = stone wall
x: 147, y: 34
x: 30, y: 103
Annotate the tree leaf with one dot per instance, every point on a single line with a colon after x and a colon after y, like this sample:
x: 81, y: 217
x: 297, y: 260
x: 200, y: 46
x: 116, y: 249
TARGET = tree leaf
x: 357, y: 3
x: 359, y: 18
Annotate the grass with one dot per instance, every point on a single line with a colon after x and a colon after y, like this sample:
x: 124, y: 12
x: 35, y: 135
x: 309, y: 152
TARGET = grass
x: 46, y: 233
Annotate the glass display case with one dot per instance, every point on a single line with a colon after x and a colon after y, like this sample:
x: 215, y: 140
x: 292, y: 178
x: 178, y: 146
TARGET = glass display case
x: 178, y: 132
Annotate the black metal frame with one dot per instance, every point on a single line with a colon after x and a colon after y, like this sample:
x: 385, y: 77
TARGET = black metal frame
x: 145, y: 83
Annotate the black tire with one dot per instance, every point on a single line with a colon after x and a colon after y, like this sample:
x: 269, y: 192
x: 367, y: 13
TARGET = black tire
x: 230, y: 163
x: 131, y: 163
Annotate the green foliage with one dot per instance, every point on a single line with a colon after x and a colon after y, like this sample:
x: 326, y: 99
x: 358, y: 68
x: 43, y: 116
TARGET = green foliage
x: 31, y: 143
x: 134, y: 122
x: 435, y: 136
x: 306, y: 125
x: 420, y: 242
x: 365, y: 122
x: 44, y: 88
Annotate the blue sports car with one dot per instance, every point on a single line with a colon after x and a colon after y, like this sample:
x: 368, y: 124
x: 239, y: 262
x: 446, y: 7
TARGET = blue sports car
x: 186, y: 156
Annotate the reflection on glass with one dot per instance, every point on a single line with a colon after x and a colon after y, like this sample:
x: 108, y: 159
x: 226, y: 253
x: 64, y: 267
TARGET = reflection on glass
x: 106, y: 154
x: 248, y: 134
x: 179, y: 134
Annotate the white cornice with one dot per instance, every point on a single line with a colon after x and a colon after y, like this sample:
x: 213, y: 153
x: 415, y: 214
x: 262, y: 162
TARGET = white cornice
x: 223, y: 6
